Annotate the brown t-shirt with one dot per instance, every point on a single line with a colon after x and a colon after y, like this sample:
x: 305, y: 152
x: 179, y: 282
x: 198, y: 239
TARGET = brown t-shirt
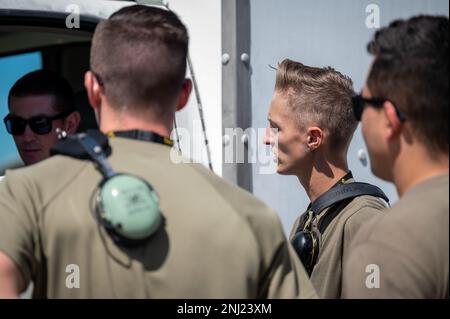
x: 218, y: 241
x: 404, y: 254
x: 326, y: 276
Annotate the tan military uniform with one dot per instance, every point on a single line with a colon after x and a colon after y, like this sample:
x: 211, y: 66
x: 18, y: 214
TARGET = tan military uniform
x: 326, y: 276
x: 218, y: 241
x: 404, y: 254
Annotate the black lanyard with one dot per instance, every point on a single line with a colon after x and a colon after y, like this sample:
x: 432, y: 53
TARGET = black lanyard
x: 307, y: 214
x: 142, y: 136
x: 342, y: 181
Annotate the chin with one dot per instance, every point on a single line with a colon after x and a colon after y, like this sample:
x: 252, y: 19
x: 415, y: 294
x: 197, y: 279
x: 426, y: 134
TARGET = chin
x: 283, y: 170
x: 32, y: 160
x: 380, y: 171
x: 381, y: 174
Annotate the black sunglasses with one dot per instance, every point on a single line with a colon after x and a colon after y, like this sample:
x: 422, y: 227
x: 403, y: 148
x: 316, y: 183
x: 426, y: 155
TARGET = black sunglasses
x: 359, y: 103
x: 40, y: 124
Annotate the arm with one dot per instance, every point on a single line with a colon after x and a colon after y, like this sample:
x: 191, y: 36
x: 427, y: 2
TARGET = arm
x: 11, y: 281
x: 18, y: 231
x: 365, y: 218
x: 288, y: 278
x: 285, y: 276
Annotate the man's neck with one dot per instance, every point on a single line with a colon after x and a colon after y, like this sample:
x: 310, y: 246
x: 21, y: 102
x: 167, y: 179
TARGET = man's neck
x: 415, y: 166
x: 111, y: 121
x: 322, y: 177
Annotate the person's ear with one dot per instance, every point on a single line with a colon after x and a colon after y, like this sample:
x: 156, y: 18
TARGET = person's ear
x: 184, y: 95
x: 72, y: 122
x: 315, y: 137
x: 394, y: 125
x: 94, y: 89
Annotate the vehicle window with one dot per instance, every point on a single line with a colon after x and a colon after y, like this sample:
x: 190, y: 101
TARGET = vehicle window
x: 13, y: 67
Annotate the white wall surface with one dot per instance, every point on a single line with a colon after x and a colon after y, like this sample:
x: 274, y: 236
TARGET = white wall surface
x: 203, y: 19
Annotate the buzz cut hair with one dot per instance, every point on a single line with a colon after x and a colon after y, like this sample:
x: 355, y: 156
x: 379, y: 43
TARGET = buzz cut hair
x: 139, y: 56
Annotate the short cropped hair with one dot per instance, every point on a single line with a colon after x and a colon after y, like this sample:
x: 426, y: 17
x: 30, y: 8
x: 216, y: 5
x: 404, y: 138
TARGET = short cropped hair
x: 319, y: 96
x: 410, y: 69
x: 139, y: 55
x: 45, y: 82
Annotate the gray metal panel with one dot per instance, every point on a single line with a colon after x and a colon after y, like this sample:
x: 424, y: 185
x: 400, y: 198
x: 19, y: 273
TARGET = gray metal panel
x: 236, y: 85
x: 317, y: 33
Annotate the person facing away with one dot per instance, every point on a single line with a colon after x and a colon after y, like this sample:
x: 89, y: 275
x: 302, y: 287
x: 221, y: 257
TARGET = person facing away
x: 215, y: 240
x: 39, y: 103
x: 310, y: 128
x: 404, y: 112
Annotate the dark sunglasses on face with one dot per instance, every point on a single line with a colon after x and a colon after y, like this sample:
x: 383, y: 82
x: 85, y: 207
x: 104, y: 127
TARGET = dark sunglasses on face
x: 359, y: 103
x: 40, y: 124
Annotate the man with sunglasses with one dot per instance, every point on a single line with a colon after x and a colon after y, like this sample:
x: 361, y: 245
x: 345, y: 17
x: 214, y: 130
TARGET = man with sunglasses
x: 39, y: 103
x: 310, y: 128
x: 404, y: 109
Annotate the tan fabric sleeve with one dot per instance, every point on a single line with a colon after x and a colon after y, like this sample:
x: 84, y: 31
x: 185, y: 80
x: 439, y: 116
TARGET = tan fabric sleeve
x: 376, y: 270
x: 18, y: 223
x: 294, y: 227
x: 364, y: 216
x: 286, y: 277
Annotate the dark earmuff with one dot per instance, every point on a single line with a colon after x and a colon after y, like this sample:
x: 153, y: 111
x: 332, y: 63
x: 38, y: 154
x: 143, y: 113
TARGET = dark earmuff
x: 306, y: 244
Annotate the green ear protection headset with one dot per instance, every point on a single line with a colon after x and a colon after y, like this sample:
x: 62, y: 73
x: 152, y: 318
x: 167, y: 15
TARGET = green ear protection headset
x: 125, y: 204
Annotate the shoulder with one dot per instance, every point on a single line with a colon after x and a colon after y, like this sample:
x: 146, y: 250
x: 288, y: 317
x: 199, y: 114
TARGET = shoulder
x: 239, y: 199
x: 295, y: 226
x: 361, y: 210
x: 168, y: 167
x: 414, y: 217
x: 44, y: 179
x: 407, y: 224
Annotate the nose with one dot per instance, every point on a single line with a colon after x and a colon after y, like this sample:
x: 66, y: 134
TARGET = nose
x: 28, y: 135
x: 268, y: 136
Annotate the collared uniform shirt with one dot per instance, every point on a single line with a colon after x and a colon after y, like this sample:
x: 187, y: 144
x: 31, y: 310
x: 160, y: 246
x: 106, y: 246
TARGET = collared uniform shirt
x: 335, y: 242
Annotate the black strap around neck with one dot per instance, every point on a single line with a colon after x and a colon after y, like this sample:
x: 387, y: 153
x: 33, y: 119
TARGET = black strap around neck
x: 142, y: 136
x: 345, y: 191
x: 341, y: 181
x: 341, y: 193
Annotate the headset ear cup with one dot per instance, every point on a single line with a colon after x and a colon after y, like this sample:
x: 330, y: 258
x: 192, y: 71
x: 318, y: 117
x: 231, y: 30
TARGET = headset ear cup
x: 100, y: 212
x: 131, y: 207
x: 306, y: 245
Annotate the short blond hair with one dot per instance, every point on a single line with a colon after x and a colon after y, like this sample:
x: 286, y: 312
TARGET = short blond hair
x: 320, y: 96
